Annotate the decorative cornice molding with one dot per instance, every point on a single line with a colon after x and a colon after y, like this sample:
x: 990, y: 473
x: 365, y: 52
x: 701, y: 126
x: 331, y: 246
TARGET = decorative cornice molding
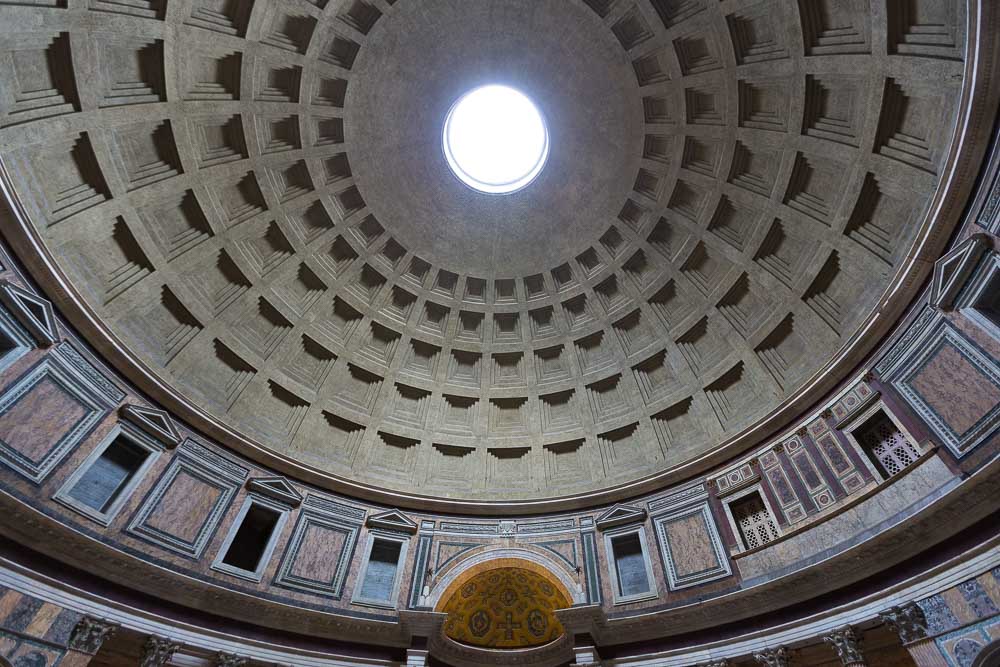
x: 153, y: 422
x: 393, y: 520
x: 620, y: 515
x: 276, y: 488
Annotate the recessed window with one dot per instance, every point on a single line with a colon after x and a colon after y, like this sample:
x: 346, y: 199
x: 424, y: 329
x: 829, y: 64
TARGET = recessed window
x: 381, y: 572
x: 103, y: 482
x: 379, y: 582
x: 495, y: 139
x: 251, y: 539
x: 885, y: 444
x: 754, y: 521
x: 628, y: 561
x: 630, y: 566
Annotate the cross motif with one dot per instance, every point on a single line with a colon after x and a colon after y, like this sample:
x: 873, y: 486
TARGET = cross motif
x: 509, y: 626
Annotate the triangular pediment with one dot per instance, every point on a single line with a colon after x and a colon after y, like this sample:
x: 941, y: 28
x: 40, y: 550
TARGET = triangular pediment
x: 393, y: 520
x: 276, y: 488
x: 153, y: 422
x: 619, y: 515
x: 953, y: 269
x: 34, y: 312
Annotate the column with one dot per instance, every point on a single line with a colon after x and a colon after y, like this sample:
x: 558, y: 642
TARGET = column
x: 772, y: 657
x: 909, y: 622
x: 157, y: 651
x: 86, y: 640
x: 847, y: 644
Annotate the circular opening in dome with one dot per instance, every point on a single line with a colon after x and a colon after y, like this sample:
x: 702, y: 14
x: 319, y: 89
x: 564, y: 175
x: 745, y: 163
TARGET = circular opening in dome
x: 495, y: 139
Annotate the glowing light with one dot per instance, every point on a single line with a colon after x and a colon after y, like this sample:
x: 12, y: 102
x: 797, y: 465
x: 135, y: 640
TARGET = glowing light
x: 495, y: 140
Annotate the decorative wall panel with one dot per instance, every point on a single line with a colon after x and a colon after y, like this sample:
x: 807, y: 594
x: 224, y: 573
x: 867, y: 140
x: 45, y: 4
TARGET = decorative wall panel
x: 185, y: 507
x: 51, y: 388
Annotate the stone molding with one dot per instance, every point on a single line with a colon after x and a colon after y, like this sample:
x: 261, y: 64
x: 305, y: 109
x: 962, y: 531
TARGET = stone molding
x: 229, y: 660
x: 847, y: 644
x: 90, y: 633
x: 157, y: 651
x: 774, y: 657
x: 908, y: 621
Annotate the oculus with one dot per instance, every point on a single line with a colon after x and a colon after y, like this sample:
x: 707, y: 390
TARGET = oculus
x: 495, y: 139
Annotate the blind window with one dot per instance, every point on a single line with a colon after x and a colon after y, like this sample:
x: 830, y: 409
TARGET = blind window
x: 104, y: 480
x: 630, y: 565
x: 380, y: 576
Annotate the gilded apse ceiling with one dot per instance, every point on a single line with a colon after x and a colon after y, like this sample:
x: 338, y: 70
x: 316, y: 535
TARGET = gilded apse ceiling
x: 507, y: 608
x: 245, y: 205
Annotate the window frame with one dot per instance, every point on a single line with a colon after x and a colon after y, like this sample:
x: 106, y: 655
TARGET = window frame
x: 734, y: 524
x: 609, y: 536
x: 977, y: 286
x: 858, y: 420
x: 135, y: 437
x: 386, y: 536
x: 249, y: 501
x: 14, y: 332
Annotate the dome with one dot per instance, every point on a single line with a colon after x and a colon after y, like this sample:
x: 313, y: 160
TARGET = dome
x: 258, y: 223
x: 463, y: 333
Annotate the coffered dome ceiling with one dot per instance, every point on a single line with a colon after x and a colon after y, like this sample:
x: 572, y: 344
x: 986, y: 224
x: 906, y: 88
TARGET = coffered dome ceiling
x: 247, y: 206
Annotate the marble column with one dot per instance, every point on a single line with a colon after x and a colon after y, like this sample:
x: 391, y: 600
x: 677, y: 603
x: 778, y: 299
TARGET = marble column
x: 86, y: 640
x: 772, y: 657
x: 847, y: 644
x: 157, y: 651
x: 910, y: 624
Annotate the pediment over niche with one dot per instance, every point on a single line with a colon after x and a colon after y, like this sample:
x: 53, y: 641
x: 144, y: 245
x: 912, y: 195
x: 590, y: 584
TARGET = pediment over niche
x: 393, y: 520
x: 153, y: 422
x: 620, y: 515
x: 34, y: 312
x: 953, y: 269
x: 276, y: 488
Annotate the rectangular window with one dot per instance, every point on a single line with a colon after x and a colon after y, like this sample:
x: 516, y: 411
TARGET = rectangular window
x: 754, y: 521
x: 107, y: 477
x: 630, y: 565
x: 252, y: 539
x: 885, y: 444
x: 380, y: 575
x: 984, y: 302
x: 103, y: 483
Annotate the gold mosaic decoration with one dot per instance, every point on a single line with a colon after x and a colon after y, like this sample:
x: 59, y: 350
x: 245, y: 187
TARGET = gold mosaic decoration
x: 507, y: 607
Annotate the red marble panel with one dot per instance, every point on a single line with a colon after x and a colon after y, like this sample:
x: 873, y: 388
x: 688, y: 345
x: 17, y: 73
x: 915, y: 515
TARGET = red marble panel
x: 955, y: 389
x: 184, y: 507
x: 318, y: 553
x: 690, y: 545
x: 23, y: 429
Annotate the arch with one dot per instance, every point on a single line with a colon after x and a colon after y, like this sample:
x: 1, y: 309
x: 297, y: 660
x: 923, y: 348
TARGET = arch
x: 476, y: 563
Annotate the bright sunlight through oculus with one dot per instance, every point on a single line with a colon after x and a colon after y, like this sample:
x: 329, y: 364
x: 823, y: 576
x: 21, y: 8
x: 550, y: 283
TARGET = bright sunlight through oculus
x: 495, y: 140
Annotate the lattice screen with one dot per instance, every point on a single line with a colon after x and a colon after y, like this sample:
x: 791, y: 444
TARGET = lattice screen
x: 886, y: 445
x: 755, y: 522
